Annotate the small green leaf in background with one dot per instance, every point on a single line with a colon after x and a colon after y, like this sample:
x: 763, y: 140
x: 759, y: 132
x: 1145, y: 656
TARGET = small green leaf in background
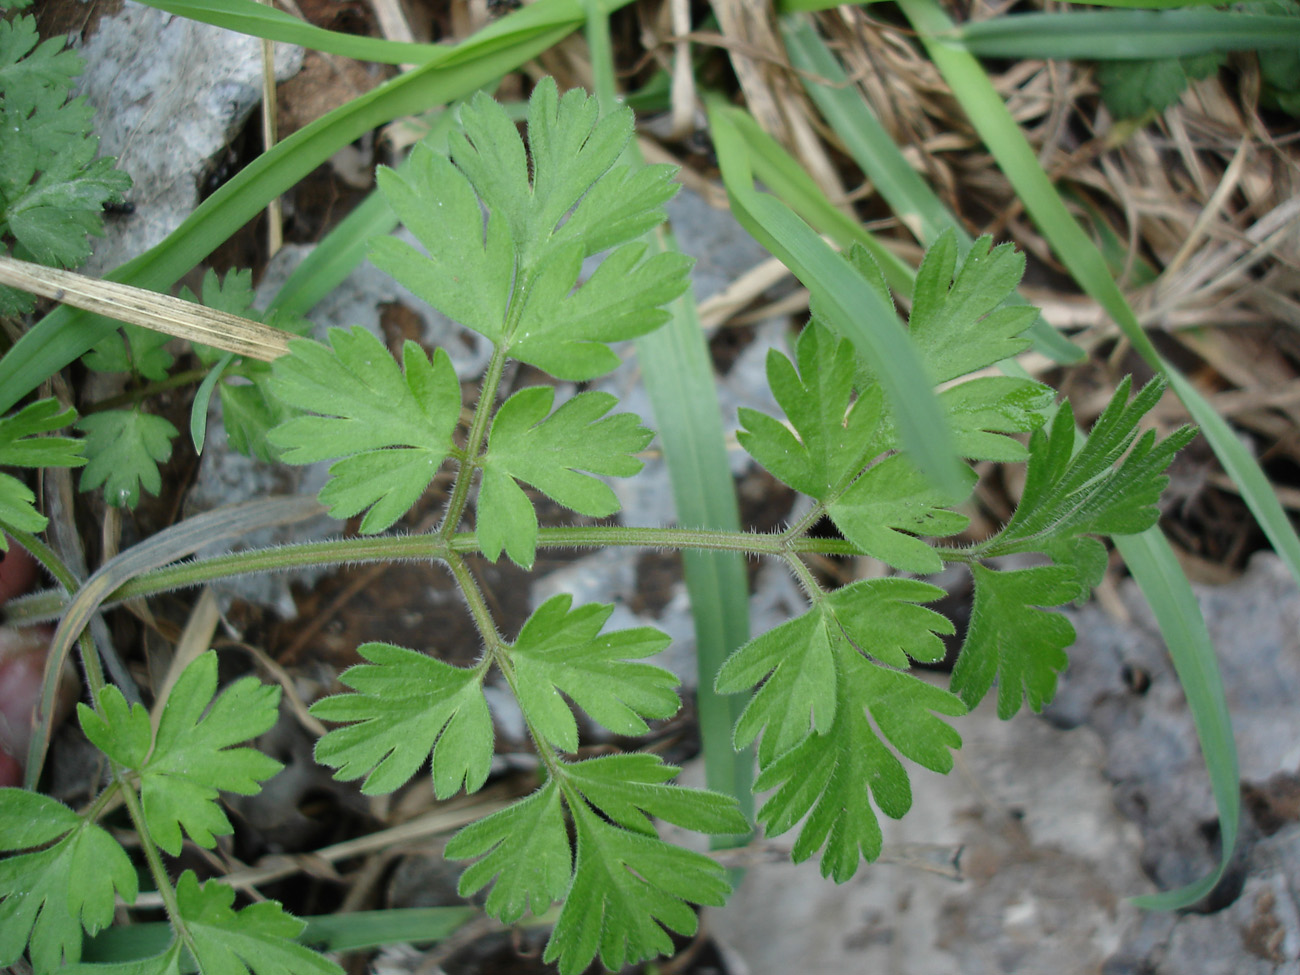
x: 258, y: 938
x: 192, y: 759
x: 123, y: 451
x: 406, y: 706
x: 1131, y: 89
x: 50, y: 894
x: 249, y: 409
x: 550, y: 452
x: 52, y: 188
x: 391, y: 425
x: 21, y: 445
x: 561, y: 650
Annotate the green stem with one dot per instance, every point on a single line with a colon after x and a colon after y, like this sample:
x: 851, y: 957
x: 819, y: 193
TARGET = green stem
x: 483, y: 411
x: 421, y: 548
x: 157, y: 868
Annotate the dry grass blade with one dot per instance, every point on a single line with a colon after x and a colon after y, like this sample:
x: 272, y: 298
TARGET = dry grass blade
x: 139, y: 306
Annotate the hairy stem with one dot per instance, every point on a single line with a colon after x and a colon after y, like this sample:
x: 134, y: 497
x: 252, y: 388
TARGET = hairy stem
x: 483, y: 411
x: 157, y: 868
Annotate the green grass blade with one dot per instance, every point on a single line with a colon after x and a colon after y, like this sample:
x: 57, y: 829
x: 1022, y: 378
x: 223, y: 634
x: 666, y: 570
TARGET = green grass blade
x: 65, y: 334
x: 1086, y: 264
x: 1119, y: 35
x: 1156, y: 569
x: 678, y: 376
x: 848, y: 303
x: 908, y: 195
x: 789, y: 182
x: 261, y: 20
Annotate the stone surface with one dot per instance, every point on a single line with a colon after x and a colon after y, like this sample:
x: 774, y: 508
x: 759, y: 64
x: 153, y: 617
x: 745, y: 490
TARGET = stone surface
x: 169, y: 95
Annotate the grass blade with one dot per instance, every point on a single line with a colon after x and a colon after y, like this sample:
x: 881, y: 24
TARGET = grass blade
x: 866, y: 140
x: 1003, y: 137
x: 1119, y: 35
x: 1161, y: 579
x: 848, y: 302
x: 64, y: 335
x: 260, y: 20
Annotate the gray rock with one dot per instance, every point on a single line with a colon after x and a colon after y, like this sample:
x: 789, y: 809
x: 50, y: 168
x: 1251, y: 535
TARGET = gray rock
x: 169, y: 94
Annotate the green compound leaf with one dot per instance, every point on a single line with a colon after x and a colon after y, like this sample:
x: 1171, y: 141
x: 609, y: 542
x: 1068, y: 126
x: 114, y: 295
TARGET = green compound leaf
x: 1109, y: 486
x: 22, y: 445
x: 623, y: 885
x: 630, y: 788
x: 550, y: 205
x: 50, y: 895
x: 258, y: 938
x: 407, y: 706
x: 548, y: 452
x: 955, y: 321
x: 815, y: 711
x: 888, y: 506
x: 800, y: 696
x: 123, y: 451
x: 391, y: 425
x: 52, y: 189
x: 135, y: 349
x: 627, y: 888
x: 525, y: 847
x: 560, y: 650
x: 835, y: 432
x: 1013, y: 640
x: 982, y: 411
x: 833, y: 778
x: 192, y: 758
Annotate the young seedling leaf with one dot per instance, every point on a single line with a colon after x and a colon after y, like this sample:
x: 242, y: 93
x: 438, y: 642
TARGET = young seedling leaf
x: 955, y: 321
x: 1011, y: 638
x: 123, y: 450
x: 257, y: 939
x: 884, y: 510
x: 52, y: 892
x: 407, y: 705
x: 550, y: 452
x: 22, y: 445
x: 390, y: 425
x: 561, y: 650
x: 833, y: 432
